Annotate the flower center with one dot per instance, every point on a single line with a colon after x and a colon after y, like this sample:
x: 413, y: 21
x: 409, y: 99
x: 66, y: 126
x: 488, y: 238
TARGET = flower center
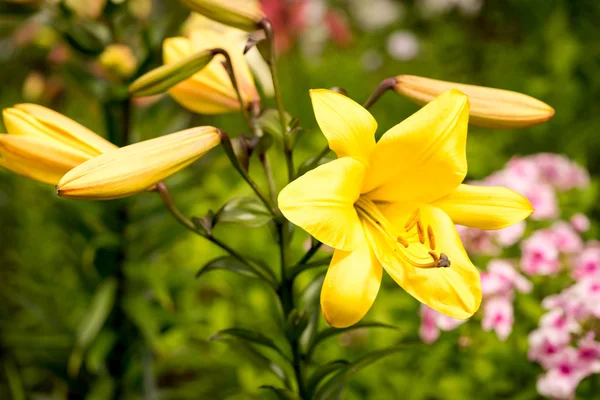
x: 415, y: 245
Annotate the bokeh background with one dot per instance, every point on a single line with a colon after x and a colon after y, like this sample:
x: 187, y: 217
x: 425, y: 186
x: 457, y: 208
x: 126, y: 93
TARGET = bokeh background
x: 55, y: 253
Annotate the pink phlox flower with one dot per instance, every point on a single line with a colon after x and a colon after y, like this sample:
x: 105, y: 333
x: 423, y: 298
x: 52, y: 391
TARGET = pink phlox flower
x: 560, y: 172
x: 546, y: 344
x: 477, y: 241
x: 508, y: 236
x: 558, y: 319
x: 539, y: 255
x: 565, y: 238
x: 587, y: 263
x: 588, y: 350
x: 501, y: 278
x: 560, y: 382
x: 580, y: 222
x: 433, y: 321
x: 543, y: 199
x: 498, y: 315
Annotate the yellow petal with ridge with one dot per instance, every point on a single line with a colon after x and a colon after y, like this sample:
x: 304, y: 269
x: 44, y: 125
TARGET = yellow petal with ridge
x: 137, y: 167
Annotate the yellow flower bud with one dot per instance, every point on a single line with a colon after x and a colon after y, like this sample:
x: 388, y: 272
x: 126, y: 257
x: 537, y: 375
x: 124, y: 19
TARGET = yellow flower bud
x: 490, y: 108
x: 241, y: 14
x: 44, y: 145
x: 210, y: 90
x: 137, y: 167
x: 162, y: 78
x: 119, y: 61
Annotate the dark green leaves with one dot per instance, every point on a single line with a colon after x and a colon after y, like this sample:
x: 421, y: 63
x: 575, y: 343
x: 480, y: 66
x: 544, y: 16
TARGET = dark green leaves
x: 269, y: 122
x: 229, y: 263
x: 334, y: 387
x: 249, y: 336
x: 330, y: 332
x: 246, y: 211
x: 99, y: 310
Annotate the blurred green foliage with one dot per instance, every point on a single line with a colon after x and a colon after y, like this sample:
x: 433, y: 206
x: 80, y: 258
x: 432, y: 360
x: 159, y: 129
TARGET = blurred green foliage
x: 58, y: 337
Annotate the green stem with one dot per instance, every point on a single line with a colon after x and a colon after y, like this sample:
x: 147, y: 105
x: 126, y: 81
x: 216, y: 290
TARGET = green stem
x: 272, y: 62
x: 111, y: 261
x: 167, y: 199
x: 264, y: 157
x: 287, y: 303
x: 228, y: 147
x: 383, y: 87
x: 231, y: 73
x: 311, y: 252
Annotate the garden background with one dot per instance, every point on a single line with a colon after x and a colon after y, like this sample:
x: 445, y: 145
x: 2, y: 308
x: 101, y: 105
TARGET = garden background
x: 50, y: 248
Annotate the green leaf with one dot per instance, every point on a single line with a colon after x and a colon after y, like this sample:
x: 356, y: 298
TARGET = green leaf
x: 89, y: 37
x: 246, y: 211
x: 322, y: 372
x: 295, y: 324
x: 283, y: 394
x: 330, y: 332
x: 229, y: 263
x: 310, y: 301
x: 334, y: 388
x: 99, y: 310
x: 269, y: 122
x: 250, y: 336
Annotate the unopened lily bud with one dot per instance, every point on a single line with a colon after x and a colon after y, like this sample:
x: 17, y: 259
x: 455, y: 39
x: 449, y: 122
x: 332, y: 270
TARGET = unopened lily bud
x: 161, y: 79
x: 241, y: 14
x: 119, y: 61
x: 33, y: 86
x: 137, y: 167
x: 210, y: 90
x: 490, y: 108
x: 44, y: 145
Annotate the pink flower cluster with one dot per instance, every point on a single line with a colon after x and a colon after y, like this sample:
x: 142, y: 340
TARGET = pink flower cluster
x: 498, y: 285
x: 540, y: 178
x: 565, y: 343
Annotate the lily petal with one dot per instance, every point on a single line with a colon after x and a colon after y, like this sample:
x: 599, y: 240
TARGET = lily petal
x: 455, y: 290
x: 38, y: 158
x: 348, y: 127
x: 350, y: 286
x: 321, y: 202
x: 423, y: 158
x: 485, y: 207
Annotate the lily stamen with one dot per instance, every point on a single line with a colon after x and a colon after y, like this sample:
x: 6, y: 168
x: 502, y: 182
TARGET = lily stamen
x: 431, y: 237
x: 402, y: 241
x: 414, y: 254
x: 420, y: 232
x: 414, y: 218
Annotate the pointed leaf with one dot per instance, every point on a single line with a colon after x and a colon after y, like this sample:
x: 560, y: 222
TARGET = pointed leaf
x: 322, y: 372
x: 247, y: 211
x: 250, y: 336
x: 269, y: 122
x: 229, y: 263
x: 333, y: 388
x: 330, y: 332
x: 283, y: 394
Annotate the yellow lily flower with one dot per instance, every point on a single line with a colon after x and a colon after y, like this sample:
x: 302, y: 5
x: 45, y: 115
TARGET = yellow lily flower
x: 210, y: 91
x: 137, y: 167
x: 43, y: 145
x: 392, y: 205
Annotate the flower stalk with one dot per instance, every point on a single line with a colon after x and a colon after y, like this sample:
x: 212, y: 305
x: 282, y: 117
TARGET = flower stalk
x: 272, y: 62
